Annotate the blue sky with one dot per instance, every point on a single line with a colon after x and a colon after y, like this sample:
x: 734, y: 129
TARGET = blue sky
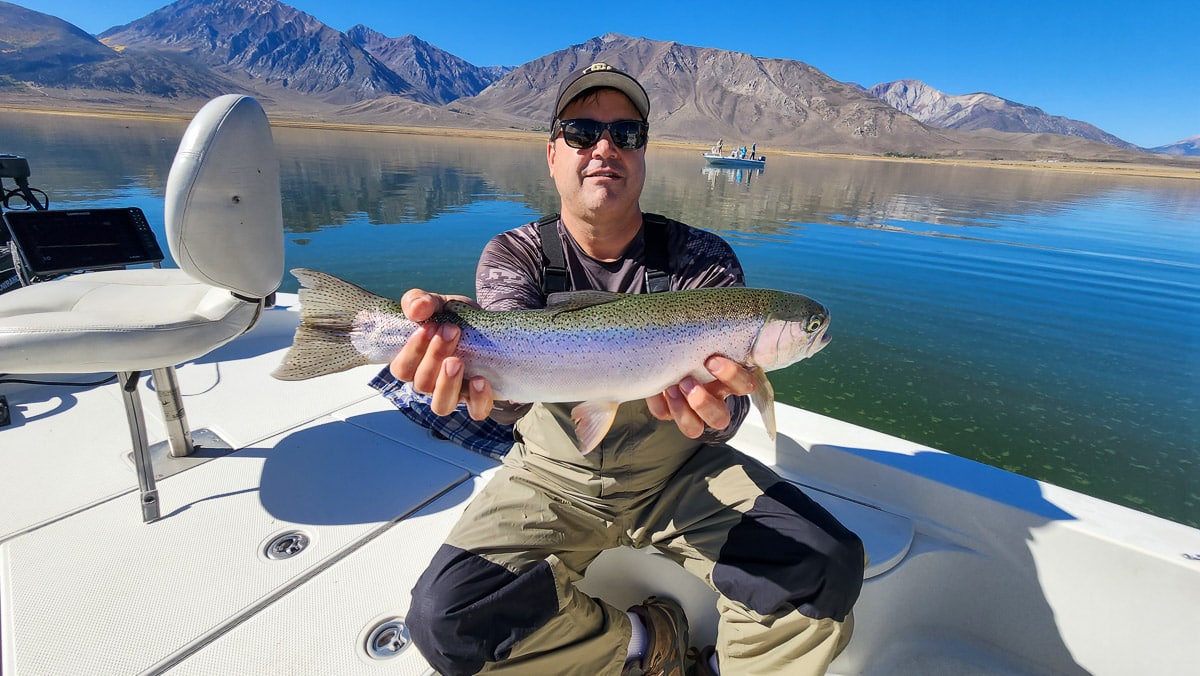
x: 1130, y: 68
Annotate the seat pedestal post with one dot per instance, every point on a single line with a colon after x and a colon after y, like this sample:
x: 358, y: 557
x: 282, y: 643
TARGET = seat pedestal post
x: 141, y: 446
x: 167, y: 386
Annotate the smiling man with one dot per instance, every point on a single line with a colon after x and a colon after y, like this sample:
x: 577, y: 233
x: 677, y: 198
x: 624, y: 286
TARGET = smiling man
x: 499, y: 595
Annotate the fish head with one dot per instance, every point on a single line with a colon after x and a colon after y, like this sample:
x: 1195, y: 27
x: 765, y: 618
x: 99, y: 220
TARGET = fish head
x: 794, y: 328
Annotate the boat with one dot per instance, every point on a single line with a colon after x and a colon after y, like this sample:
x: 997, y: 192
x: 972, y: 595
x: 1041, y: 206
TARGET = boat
x: 732, y: 160
x: 287, y: 537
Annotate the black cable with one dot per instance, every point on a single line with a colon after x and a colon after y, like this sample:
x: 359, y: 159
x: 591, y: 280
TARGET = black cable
x: 22, y: 381
x: 27, y: 194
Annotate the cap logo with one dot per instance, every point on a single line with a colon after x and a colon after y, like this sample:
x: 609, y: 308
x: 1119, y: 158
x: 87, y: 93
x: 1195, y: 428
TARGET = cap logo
x: 597, y: 67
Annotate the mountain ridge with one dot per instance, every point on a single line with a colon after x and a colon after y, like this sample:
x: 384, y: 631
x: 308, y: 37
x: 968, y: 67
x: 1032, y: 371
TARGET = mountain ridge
x: 980, y: 110
x: 302, y: 69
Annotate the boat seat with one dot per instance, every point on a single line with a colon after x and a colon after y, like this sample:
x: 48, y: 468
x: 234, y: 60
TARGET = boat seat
x: 224, y: 226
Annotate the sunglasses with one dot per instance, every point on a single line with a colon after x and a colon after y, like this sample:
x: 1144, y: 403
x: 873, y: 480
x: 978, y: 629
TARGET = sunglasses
x: 583, y: 133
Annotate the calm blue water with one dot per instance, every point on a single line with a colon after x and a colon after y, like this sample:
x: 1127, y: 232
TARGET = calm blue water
x: 1043, y: 322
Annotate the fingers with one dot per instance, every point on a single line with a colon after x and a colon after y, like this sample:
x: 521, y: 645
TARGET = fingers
x: 685, y: 416
x: 448, y: 390
x: 404, y: 365
x: 658, y: 406
x: 479, y: 398
x: 427, y: 359
x: 694, y: 406
x: 731, y: 377
x: 420, y: 305
x: 430, y: 369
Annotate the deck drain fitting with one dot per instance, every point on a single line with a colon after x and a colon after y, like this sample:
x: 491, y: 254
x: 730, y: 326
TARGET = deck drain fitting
x: 286, y: 545
x: 388, y: 639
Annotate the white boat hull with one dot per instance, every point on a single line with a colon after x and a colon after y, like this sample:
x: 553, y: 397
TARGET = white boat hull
x: 715, y: 160
x: 974, y: 570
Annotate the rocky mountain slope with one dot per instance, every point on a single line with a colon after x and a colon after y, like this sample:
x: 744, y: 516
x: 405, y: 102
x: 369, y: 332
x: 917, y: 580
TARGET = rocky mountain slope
x: 39, y: 51
x: 972, y: 112
x: 191, y: 50
x: 699, y: 93
x: 1188, y: 146
x: 267, y: 43
x: 440, y: 74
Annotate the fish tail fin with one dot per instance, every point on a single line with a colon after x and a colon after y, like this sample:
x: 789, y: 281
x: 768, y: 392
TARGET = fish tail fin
x: 328, y: 307
x: 763, y: 398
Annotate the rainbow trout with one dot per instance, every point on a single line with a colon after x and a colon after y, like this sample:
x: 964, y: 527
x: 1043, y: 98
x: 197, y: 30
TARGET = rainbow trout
x: 594, y: 347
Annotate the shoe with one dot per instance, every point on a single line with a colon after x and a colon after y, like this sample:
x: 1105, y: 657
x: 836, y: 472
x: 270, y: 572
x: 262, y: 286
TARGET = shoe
x: 666, y: 639
x: 700, y: 658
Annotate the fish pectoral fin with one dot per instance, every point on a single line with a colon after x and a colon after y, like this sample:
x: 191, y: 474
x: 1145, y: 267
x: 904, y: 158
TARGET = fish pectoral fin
x: 592, y: 421
x: 763, y: 397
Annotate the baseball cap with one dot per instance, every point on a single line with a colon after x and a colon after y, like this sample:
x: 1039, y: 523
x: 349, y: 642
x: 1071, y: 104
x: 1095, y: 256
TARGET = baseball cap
x: 601, y: 75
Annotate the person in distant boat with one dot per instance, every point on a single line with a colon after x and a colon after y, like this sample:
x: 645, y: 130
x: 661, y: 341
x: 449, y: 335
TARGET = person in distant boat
x: 499, y: 595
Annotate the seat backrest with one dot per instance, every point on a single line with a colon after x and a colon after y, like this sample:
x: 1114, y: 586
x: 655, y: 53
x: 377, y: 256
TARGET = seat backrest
x: 224, y: 217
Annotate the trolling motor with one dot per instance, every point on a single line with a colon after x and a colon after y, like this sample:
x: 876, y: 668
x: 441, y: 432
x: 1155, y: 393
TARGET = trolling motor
x: 20, y: 198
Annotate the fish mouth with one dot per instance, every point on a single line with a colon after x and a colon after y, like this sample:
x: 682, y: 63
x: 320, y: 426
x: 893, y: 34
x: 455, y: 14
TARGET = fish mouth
x: 820, y: 340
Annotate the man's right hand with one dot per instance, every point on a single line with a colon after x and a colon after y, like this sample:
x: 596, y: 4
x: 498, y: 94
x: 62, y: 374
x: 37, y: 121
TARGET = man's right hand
x: 428, y: 359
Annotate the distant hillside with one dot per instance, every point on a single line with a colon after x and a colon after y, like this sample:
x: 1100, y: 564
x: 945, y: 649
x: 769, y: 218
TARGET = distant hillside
x: 37, y: 50
x: 440, y: 74
x: 301, y: 69
x: 971, y: 112
x: 1188, y: 146
x: 699, y: 93
x: 267, y: 43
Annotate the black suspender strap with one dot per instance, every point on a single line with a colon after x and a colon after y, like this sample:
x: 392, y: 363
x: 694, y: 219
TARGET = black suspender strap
x: 554, y: 262
x: 654, y: 230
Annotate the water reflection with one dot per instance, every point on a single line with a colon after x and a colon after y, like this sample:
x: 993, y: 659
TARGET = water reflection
x: 741, y: 176
x: 1041, y: 321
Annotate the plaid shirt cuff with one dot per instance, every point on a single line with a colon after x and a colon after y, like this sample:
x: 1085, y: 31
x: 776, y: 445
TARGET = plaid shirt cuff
x: 486, y: 437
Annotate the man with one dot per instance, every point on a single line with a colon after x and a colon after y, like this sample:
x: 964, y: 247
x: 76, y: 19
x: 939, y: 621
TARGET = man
x: 499, y: 596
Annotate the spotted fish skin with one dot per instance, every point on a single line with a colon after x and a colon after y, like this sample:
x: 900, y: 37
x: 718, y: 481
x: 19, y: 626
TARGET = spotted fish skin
x: 596, y: 347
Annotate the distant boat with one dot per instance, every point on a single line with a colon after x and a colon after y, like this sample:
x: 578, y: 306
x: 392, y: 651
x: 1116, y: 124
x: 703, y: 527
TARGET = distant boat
x: 717, y: 160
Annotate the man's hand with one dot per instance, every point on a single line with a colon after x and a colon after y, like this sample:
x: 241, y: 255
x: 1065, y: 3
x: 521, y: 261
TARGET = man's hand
x: 428, y: 361
x: 694, y: 406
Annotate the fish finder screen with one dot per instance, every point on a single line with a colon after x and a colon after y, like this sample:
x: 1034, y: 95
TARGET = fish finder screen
x: 57, y: 241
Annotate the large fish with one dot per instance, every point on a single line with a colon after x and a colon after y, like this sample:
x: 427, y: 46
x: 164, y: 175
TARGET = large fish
x: 594, y: 347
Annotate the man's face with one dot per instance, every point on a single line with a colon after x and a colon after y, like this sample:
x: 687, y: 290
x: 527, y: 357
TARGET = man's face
x: 603, y: 181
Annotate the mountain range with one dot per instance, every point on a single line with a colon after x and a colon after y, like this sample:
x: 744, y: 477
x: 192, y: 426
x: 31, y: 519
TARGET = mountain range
x: 303, y: 70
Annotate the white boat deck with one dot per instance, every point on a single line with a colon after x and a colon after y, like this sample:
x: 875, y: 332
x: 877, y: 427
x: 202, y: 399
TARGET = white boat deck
x: 973, y: 570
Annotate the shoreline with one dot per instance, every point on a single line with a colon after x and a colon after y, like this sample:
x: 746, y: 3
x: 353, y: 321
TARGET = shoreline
x: 1110, y: 168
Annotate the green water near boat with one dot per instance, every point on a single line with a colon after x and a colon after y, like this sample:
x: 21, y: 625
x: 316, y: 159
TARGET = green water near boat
x: 1040, y: 321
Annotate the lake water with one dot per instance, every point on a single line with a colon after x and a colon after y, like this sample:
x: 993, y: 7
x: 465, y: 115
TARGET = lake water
x: 1044, y: 322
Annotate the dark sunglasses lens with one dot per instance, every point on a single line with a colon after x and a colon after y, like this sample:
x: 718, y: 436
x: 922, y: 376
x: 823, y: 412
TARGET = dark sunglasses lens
x: 583, y: 133
x: 628, y: 134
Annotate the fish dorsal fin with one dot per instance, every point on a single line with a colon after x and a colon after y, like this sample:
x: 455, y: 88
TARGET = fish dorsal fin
x: 458, y: 307
x: 763, y: 397
x: 592, y: 421
x: 569, y: 301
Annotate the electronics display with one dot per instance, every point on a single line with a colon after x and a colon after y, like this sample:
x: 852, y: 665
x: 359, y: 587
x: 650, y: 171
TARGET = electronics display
x: 57, y: 241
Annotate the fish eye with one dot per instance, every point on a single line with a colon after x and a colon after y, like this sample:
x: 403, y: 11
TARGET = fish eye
x: 814, y: 323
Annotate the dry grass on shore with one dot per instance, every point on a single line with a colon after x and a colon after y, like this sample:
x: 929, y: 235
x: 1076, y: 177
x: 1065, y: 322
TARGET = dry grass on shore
x: 1164, y: 168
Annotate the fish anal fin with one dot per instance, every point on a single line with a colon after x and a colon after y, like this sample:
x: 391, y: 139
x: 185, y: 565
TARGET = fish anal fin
x: 592, y: 421
x: 763, y: 397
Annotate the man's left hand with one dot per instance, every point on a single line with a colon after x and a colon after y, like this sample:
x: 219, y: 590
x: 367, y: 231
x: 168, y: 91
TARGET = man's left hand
x: 694, y: 406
